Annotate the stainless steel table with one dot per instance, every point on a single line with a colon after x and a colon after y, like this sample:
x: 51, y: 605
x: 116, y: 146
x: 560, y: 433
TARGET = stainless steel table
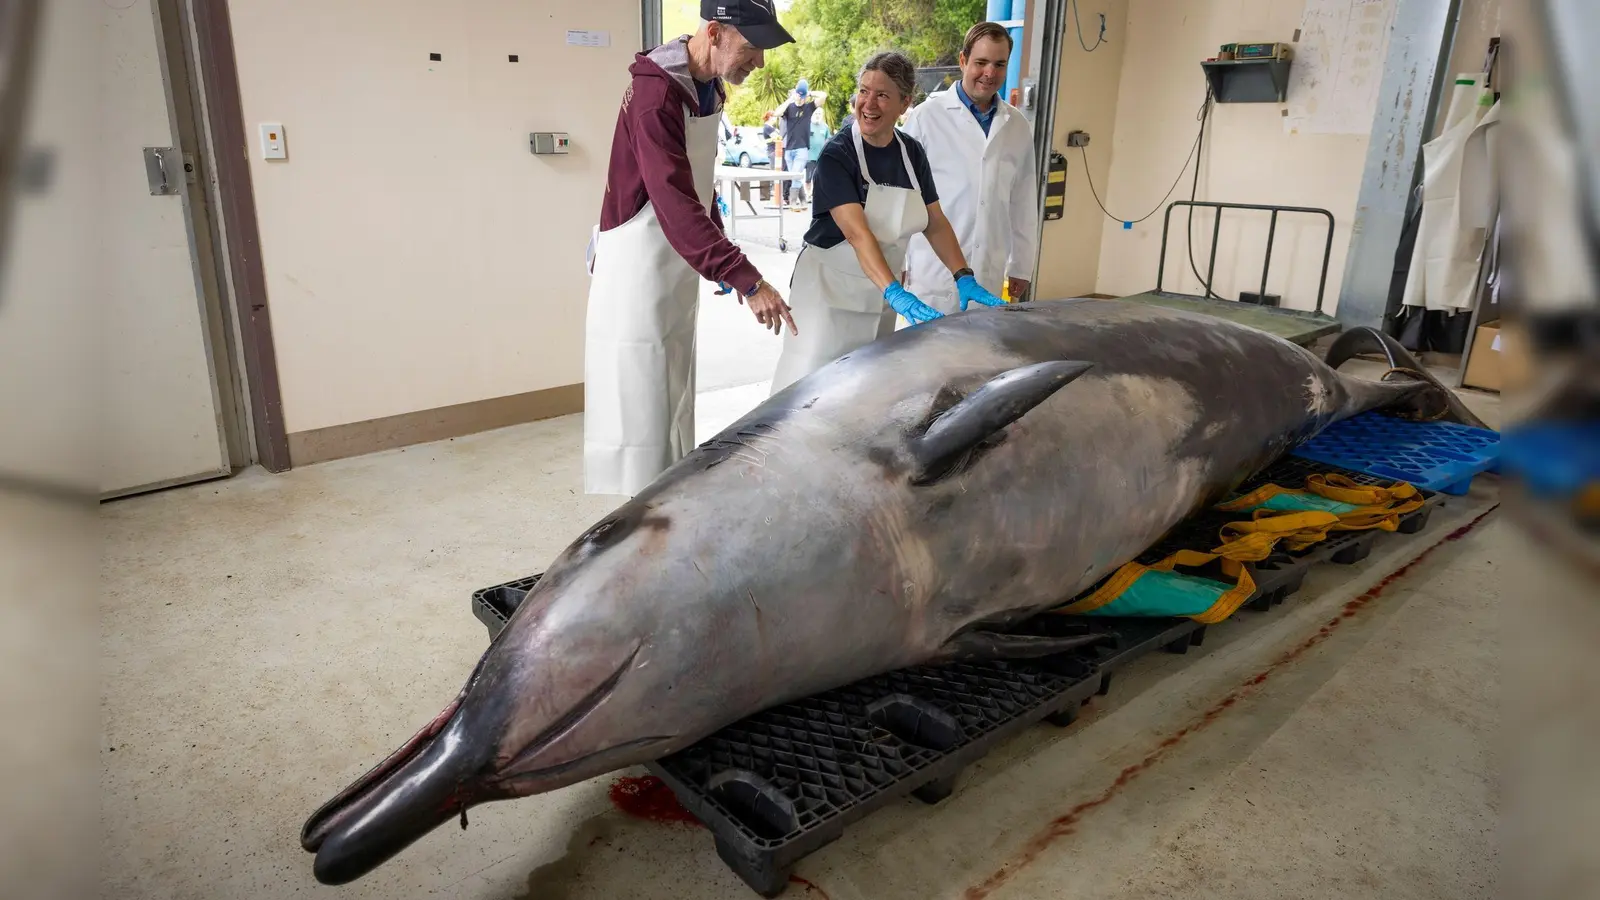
x: 736, y: 183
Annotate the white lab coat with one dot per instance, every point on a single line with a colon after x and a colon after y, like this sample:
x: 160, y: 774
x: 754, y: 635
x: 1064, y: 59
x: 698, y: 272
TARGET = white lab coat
x: 988, y: 188
x: 1459, y: 202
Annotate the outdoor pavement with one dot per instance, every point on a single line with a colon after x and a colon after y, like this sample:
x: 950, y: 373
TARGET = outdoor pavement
x: 733, y: 349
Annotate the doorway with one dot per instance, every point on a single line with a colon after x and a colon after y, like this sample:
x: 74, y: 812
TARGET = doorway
x: 735, y: 358
x: 173, y: 399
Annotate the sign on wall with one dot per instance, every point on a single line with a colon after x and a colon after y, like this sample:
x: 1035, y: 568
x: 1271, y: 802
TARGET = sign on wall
x: 1338, y: 66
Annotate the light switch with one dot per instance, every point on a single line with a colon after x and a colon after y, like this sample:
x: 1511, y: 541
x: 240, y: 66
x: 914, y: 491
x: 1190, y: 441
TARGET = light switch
x: 273, y: 145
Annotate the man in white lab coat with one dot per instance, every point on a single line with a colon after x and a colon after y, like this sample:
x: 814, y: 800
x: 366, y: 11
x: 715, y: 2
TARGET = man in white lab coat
x: 980, y: 149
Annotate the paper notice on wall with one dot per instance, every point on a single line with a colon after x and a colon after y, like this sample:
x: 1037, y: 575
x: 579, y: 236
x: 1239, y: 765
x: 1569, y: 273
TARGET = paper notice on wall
x: 589, y: 38
x: 1338, y: 66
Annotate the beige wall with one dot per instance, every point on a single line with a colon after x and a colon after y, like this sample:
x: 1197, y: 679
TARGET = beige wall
x: 1250, y: 157
x: 1069, y: 257
x: 417, y: 254
x: 1138, y: 96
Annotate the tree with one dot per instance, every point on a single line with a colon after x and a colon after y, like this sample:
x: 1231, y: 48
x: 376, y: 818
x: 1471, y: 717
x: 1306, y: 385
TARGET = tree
x: 679, y: 17
x: 832, y: 40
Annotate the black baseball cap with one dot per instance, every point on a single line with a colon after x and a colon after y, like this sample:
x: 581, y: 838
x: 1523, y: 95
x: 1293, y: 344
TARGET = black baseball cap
x: 757, y: 20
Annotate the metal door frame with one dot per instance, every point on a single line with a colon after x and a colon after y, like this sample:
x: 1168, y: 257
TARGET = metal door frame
x: 649, y: 24
x: 205, y: 33
x: 1046, y: 30
x: 1419, y: 45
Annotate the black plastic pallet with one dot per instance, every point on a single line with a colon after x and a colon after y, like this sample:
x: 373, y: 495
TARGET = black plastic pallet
x: 778, y: 785
x: 782, y: 783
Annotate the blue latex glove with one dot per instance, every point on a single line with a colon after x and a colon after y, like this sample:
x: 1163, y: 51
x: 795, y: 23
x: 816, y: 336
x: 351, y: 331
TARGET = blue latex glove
x: 906, y: 304
x: 970, y: 290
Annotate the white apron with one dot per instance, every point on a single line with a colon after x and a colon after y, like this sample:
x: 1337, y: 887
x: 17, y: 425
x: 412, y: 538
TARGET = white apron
x: 1458, y: 188
x: 639, y: 350
x: 836, y: 306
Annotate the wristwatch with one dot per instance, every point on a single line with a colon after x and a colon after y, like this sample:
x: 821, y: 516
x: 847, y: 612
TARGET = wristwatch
x: 960, y: 273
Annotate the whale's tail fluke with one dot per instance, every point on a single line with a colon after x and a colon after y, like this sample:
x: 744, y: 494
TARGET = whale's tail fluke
x: 1434, y: 403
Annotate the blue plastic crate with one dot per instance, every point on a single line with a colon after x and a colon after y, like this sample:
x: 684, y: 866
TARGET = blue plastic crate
x: 1437, y: 456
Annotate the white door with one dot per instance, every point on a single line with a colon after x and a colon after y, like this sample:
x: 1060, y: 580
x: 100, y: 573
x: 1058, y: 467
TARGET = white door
x: 162, y: 423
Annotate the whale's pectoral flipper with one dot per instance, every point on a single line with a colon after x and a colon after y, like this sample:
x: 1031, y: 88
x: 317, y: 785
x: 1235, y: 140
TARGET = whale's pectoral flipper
x: 974, y: 646
x: 953, y: 437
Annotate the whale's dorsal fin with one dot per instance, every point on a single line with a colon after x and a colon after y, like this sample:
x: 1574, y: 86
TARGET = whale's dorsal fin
x: 953, y: 434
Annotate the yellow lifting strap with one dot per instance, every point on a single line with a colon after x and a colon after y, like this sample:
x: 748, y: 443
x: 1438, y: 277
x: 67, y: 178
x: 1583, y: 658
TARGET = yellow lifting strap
x: 1359, y: 508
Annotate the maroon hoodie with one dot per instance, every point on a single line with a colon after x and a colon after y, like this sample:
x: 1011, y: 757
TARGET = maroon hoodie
x: 650, y: 162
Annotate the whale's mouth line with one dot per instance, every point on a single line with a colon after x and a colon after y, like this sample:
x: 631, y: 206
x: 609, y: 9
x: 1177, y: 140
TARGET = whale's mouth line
x: 516, y: 784
x: 574, y: 716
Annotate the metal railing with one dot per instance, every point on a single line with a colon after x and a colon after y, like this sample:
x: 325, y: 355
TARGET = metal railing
x: 1272, y: 230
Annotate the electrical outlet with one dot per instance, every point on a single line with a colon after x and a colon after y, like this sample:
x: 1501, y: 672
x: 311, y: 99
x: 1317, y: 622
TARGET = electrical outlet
x: 1078, y: 139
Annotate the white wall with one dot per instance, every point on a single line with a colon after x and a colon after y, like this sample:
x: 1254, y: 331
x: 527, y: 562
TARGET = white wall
x: 1086, y: 100
x: 417, y: 254
x: 1254, y: 154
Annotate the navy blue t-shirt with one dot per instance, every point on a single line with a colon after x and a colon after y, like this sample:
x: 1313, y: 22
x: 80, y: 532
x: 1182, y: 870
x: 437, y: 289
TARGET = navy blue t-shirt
x: 838, y: 180
x: 708, y: 96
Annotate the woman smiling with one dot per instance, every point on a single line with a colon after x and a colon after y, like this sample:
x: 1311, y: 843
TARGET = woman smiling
x: 873, y: 191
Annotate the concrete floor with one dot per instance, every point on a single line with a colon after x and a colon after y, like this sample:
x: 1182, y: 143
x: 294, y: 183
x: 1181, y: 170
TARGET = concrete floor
x: 266, y: 639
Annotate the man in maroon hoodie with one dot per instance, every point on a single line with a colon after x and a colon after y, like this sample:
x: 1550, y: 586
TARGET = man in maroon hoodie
x: 659, y: 234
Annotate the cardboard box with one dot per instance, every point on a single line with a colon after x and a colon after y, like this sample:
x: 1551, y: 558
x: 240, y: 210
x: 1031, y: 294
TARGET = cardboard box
x: 1486, y: 369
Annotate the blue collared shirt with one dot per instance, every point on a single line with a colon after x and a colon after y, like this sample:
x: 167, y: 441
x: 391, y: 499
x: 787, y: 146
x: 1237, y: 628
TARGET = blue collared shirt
x: 985, y: 119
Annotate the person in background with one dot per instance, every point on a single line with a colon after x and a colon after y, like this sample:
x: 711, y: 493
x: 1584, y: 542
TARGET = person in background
x: 770, y: 136
x: 659, y: 233
x: 980, y: 149
x: 768, y: 132
x: 819, y: 139
x: 874, y: 191
x: 795, y: 114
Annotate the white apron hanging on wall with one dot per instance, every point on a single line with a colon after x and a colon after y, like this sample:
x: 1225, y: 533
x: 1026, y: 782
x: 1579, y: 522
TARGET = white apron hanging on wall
x: 836, y: 306
x: 1458, y: 202
x: 639, y: 352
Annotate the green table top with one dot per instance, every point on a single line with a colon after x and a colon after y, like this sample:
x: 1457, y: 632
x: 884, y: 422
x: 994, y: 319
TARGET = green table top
x: 1292, y: 324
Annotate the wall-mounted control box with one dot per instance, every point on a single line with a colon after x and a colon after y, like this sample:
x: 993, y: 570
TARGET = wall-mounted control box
x: 545, y: 142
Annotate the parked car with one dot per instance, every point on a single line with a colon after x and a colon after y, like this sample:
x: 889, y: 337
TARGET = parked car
x: 743, y: 146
